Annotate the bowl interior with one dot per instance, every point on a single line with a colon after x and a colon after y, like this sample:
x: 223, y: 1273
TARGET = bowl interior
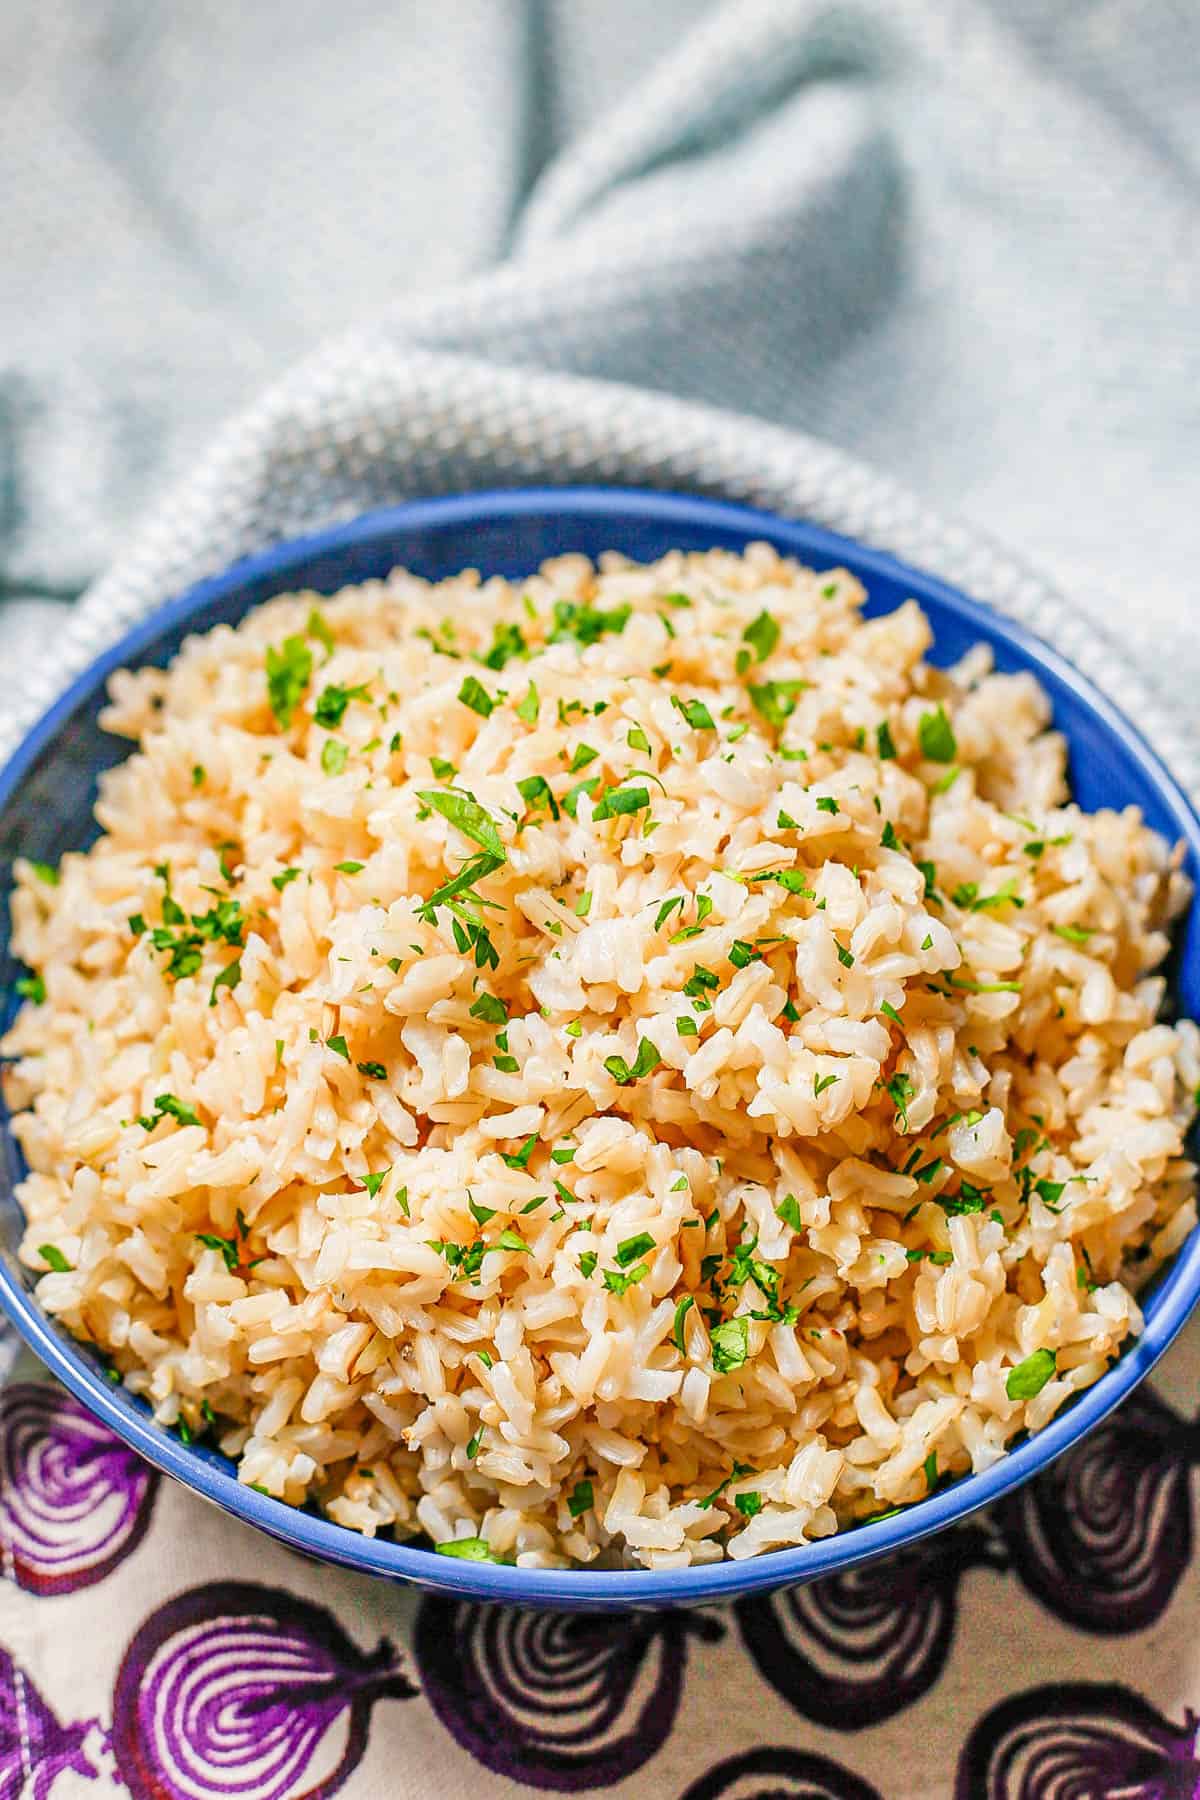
x: 46, y: 799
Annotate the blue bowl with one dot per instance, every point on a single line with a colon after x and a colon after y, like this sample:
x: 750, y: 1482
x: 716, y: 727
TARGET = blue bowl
x: 46, y: 796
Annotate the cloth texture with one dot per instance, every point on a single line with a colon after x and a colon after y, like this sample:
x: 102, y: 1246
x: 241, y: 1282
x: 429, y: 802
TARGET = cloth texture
x: 677, y: 246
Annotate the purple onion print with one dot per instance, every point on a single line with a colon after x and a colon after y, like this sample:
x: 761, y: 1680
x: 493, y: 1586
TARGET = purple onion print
x: 1079, y: 1741
x: 851, y: 1649
x: 1103, y: 1535
x: 780, y: 1774
x: 238, y: 1690
x: 34, y: 1748
x: 556, y: 1700
x: 74, y: 1500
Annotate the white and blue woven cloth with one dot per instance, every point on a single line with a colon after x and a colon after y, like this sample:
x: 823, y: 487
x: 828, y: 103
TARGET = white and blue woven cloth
x: 263, y: 266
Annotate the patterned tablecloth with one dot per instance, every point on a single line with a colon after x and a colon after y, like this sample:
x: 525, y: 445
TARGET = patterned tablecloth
x: 155, y: 1648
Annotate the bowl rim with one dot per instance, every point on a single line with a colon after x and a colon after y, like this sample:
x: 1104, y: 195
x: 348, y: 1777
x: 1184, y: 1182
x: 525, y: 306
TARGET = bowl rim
x: 583, y: 1588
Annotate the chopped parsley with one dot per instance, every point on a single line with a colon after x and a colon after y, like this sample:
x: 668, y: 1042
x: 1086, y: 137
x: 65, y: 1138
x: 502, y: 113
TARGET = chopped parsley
x: 632, y: 1248
x: 576, y: 621
x: 229, y: 978
x: 762, y: 635
x: 465, y: 813
x: 529, y: 707
x: 349, y: 868
x: 226, y: 1247
x: 901, y: 1090
x: 730, y: 1345
x: 581, y: 1499
x: 789, y: 1211
x: 469, y: 1549
x: 463, y: 883
x: 280, y: 881
x: 821, y: 1082
x: 332, y: 702
x: 490, y: 1009
x: 981, y: 987
x: 936, y: 736
x: 700, y: 979
x: 587, y: 1263
x: 1028, y: 1378
x: 619, y: 800
x: 508, y: 641
x: 289, y: 670
x: 618, y: 1283
x: 682, y: 1308
x: 776, y: 700
x: 686, y: 1027
x: 54, y: 1259
x: 793, y: 881
x: 1074, y: 934
x: 535, y: 791
x: 644, y: 1063
x: 317, y: 626
x: 472, y: 693
x: 519, y: 1159
x: 374, y: 1071
x: 167, y: 1106
x: 885, y: 743
x: 334, y: 755
x: 32, y: 988
x: 827, y: 804
x: 584, y: 754
x: 338, y: 1046
x: 967, y: 895
x: 695, y: 712
x: 748, y: 1504
x: 739, y: 1470
x: 741, y: 953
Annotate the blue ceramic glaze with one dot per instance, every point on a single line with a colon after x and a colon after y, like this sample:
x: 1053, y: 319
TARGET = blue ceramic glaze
x: 46, y: 796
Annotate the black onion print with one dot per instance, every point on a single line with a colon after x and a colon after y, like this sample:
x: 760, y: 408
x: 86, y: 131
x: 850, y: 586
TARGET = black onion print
x: 557, y: 1700
x: 34, y: 1748
x: 1103, y: 1535
x: 235, y: 1690
x: 852, y: 1648
x: 1079, y: 1741
x: 780, y: 1774
x: 74, y: 1500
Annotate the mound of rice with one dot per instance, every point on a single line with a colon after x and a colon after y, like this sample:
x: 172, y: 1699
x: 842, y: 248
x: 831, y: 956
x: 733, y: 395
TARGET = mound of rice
x: 631, y: 1067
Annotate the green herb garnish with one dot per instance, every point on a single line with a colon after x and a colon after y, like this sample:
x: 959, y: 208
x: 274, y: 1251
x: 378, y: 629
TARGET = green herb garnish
x: 472, y: 693
x: 936, y: 736
x: 730, y: 1345
x: 465, y: 813
x: 1028, y: 1378
x: 289, y: 670
x: 332, y: 702
x: 644, y: 1063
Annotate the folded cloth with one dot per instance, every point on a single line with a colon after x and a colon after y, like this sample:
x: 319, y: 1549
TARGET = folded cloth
x: 959, y: 239
x: 961, y: 242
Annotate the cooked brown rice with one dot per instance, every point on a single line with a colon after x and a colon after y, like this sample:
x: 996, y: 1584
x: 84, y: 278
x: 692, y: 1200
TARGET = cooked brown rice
x: 774, y: 1120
